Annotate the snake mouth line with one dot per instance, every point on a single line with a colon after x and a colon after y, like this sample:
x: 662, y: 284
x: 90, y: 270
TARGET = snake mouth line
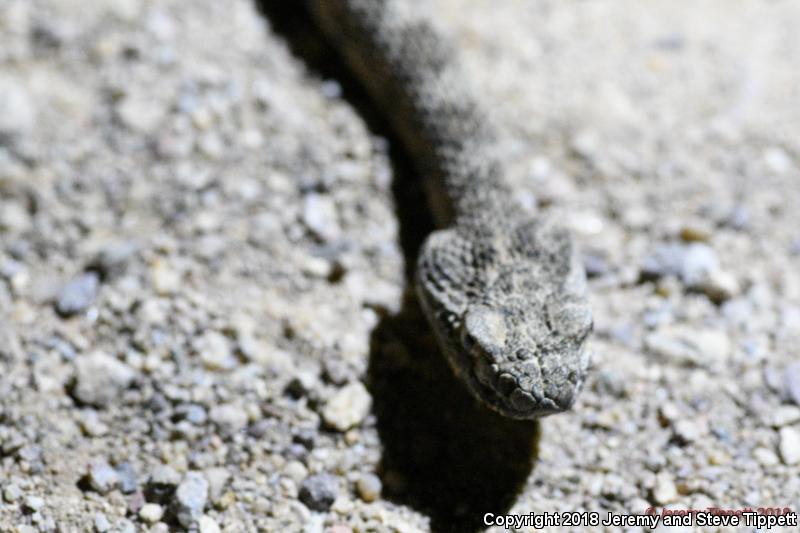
x: 503, y: 405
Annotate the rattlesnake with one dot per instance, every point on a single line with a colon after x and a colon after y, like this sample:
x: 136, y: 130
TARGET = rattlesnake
x: 504, y: 292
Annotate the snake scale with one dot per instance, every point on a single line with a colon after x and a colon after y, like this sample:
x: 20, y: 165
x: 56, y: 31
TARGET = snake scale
x: 504, y: 291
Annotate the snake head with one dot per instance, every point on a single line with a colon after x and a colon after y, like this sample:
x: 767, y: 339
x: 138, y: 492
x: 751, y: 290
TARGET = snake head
x: 512, y: 320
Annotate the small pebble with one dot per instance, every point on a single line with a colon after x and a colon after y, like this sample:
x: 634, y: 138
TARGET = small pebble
x: 765, y: 457
x: 664, y: 491
x: 127, y: 478
x: 91, y: 424
x: 319, y: 491
x: 791, y: 382
x: 14, y: 218
x: 113, y: 259
x: 166, y: 280
x: 229, y: 418
x: 161, y: 484
x: 348, y: 407
x: 218, y: 478
x: 100, y: 378
x: 698, y: 262
x: 78, y: 295
x: 369, y: 487
x: 190, y: 499
x: 696, y: 232
x: 141, y: 115
x: 194, y: 413
x: 319, y: 216
x: 101, y: 523
x: 151, y: 513
x: 11, y: 493
x: 17, y: 108
x: 296, y: 471
x: 687, y: 431
x: 595, y: 265
x: 720, y: 286
x: 215, y: 351
x: 33, y: 504
x: 777, y: 160
x: 789, y: 446
x: 102, y: 477
x: 785, y: 415
x: 206, y: 524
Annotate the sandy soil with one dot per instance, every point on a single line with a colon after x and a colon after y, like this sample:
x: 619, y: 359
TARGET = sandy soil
x: 204, y: 239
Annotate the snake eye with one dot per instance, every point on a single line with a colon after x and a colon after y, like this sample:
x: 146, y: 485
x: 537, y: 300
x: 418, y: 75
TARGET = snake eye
x: 484, y: 327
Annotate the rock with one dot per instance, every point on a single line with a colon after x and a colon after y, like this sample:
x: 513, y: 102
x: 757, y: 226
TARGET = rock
x: 697, y: 263
x: 665, y: 260
x: 123, y: 525
x: 664, y: 490
x: 17, y: 110
x: 162, y: 483
x: 217, y: 478
x: 777, y: 160
x: 738, y: 218
x: 348, y: 407
x: 791, y: 382
x: 127, y: 478
x: 166, y: 280
x: 319, y: 491
x: 687, y: 431
x: 100, y: 378
x: 101, y: 523
x: 11, y: 493
x: 14, y: 217
x: 140, y: 114
x: 696, y: 231
x: 10, y: 345
x: 190, y: 499
x: 102, y: 477
x: 194, y: 413
x: 296, y: 471
x: 595, y: 265
x: 206, y: 524
x: 789, y: 445
x: 151, y: 513
x: 228, y: 418
x: 720, y: 286
x: 78, y: 295
x: 302, y: 384
x: 369, y: 487
x: 689, y: 346
x: 319, y: 216
x: 785, y: 415
x: 215, y: 351
x: 765, y: 457
x: 32, y: 504
x: 113, y: 259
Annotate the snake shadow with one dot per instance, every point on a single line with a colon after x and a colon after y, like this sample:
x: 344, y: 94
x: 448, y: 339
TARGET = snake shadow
x: 443, y: 454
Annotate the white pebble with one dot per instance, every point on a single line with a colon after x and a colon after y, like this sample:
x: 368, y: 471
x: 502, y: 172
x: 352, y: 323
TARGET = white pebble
x: 348, y: 407
x: 789, y: 446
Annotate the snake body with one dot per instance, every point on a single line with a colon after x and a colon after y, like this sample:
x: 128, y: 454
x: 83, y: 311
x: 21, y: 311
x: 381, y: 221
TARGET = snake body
x: 503, y: 291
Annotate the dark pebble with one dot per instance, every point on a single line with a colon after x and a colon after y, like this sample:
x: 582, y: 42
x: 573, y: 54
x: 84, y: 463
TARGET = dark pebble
x: 319, y: 491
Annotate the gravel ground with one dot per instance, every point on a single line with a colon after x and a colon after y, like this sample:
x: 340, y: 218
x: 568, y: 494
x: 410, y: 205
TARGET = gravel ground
x: 204, y: 318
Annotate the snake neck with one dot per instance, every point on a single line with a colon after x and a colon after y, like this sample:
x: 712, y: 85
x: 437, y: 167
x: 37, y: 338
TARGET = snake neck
x: 416, y: 75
